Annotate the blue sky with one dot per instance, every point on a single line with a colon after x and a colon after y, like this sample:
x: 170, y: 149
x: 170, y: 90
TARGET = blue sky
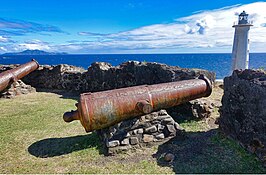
x: 126, y: 26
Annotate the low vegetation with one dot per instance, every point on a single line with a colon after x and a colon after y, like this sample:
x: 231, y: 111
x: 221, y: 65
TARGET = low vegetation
x: 35, y: 139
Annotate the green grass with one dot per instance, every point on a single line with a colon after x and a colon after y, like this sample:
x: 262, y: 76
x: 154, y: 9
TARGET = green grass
x: 194, y: 126
x: 220, y: 154
x: 35, y: 139
x: 241, y: 161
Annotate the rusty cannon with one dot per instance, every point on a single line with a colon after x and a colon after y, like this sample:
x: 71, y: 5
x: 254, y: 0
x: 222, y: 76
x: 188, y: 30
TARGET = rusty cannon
x: 103, y: 109
x: 13, y: 75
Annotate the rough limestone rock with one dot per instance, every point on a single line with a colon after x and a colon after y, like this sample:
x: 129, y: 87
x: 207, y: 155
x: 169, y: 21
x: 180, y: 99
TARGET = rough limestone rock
x: 56, y: 77
x: 243, y: 112
x: 145, y: 131
x: 16, y: 88
x: 103, y: 76
x: 195, y: 109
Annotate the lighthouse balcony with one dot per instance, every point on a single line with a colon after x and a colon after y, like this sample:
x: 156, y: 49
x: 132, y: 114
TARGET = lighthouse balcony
x: 238, y: 24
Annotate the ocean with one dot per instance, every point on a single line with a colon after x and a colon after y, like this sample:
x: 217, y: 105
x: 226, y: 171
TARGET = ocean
x: 219, y: 63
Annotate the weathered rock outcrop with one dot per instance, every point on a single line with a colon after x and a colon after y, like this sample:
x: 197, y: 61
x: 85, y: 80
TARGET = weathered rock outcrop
x: 194, y: 109
x: 102, y: 76
x: 243, y: 112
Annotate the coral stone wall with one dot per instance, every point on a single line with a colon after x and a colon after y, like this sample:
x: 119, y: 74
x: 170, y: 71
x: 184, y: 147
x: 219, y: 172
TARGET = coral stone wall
x: 102, y: 76
x: 243, y: 112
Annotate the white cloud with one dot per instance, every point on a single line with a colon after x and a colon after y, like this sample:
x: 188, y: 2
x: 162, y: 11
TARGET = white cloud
x: 29, y: 44
x: 33, y: 47
x: 34, y: 44
x: 3, y: 49
x: 205, y: 30
x: 4, y: 39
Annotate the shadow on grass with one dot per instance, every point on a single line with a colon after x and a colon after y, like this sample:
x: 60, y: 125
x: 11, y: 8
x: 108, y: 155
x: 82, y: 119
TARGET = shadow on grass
x: 182, y: 113
x: 208, y: 152
x: 60, y: 146
x: 64, y: 94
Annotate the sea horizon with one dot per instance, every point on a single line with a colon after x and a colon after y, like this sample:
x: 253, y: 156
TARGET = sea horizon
x: 7, y: 54
x: 220, y: 63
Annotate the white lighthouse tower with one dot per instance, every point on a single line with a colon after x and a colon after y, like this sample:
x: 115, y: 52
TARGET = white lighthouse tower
x: 240, y: 53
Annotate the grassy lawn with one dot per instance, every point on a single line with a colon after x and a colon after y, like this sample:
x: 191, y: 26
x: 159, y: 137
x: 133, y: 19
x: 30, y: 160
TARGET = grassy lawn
x: 35, y: 139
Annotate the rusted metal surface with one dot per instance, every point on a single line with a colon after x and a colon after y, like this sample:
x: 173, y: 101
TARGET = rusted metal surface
x: 144, y: 106
x: 102, y: 109
x: 10, y: 76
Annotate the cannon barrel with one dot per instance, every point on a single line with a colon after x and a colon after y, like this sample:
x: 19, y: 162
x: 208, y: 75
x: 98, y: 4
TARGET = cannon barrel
x: 10, y: 76
x: 103, y: 109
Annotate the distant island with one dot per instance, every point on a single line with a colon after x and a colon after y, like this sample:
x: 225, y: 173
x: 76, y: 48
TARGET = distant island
x: 35, y: 52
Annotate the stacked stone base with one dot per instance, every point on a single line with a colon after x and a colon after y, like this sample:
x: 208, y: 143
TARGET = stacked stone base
x: 145, y: 131
x: 17, y: 88
x: 243, y: 112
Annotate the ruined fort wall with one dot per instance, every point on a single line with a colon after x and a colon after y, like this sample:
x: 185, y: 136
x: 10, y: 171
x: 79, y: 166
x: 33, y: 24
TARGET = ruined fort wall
x: 102, y: 76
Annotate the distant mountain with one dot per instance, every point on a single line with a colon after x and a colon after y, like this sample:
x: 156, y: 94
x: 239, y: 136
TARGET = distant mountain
x: 36, y: 52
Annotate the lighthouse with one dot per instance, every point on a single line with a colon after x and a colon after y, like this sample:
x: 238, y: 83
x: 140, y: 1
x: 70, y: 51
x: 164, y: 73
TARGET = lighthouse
x: 240, y: 53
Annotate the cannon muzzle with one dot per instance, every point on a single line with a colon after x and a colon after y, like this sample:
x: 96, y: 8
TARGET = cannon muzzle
x: 10, y: 76
x: 103, y: 109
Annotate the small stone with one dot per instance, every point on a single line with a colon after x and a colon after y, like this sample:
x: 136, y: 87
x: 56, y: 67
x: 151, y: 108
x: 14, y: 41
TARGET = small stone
x: 163, y: 117
x: 125, y: 141
x: 169, y: 157
x: 110, y: 135
x: 112, y: 129
x: 160, y: 136
x: 147, y: 138
x: 138, y: 131
x: 134, y: 140
x: 168, y: 120
x: 160, y: 127
x: 178, y: 127
x: 162, y: 112
x: 113, y: 143
x: 155, y: 122
x: 128, y: 134
x: 171, y: 128
x: 151, y: 129
x: 142, y: 118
